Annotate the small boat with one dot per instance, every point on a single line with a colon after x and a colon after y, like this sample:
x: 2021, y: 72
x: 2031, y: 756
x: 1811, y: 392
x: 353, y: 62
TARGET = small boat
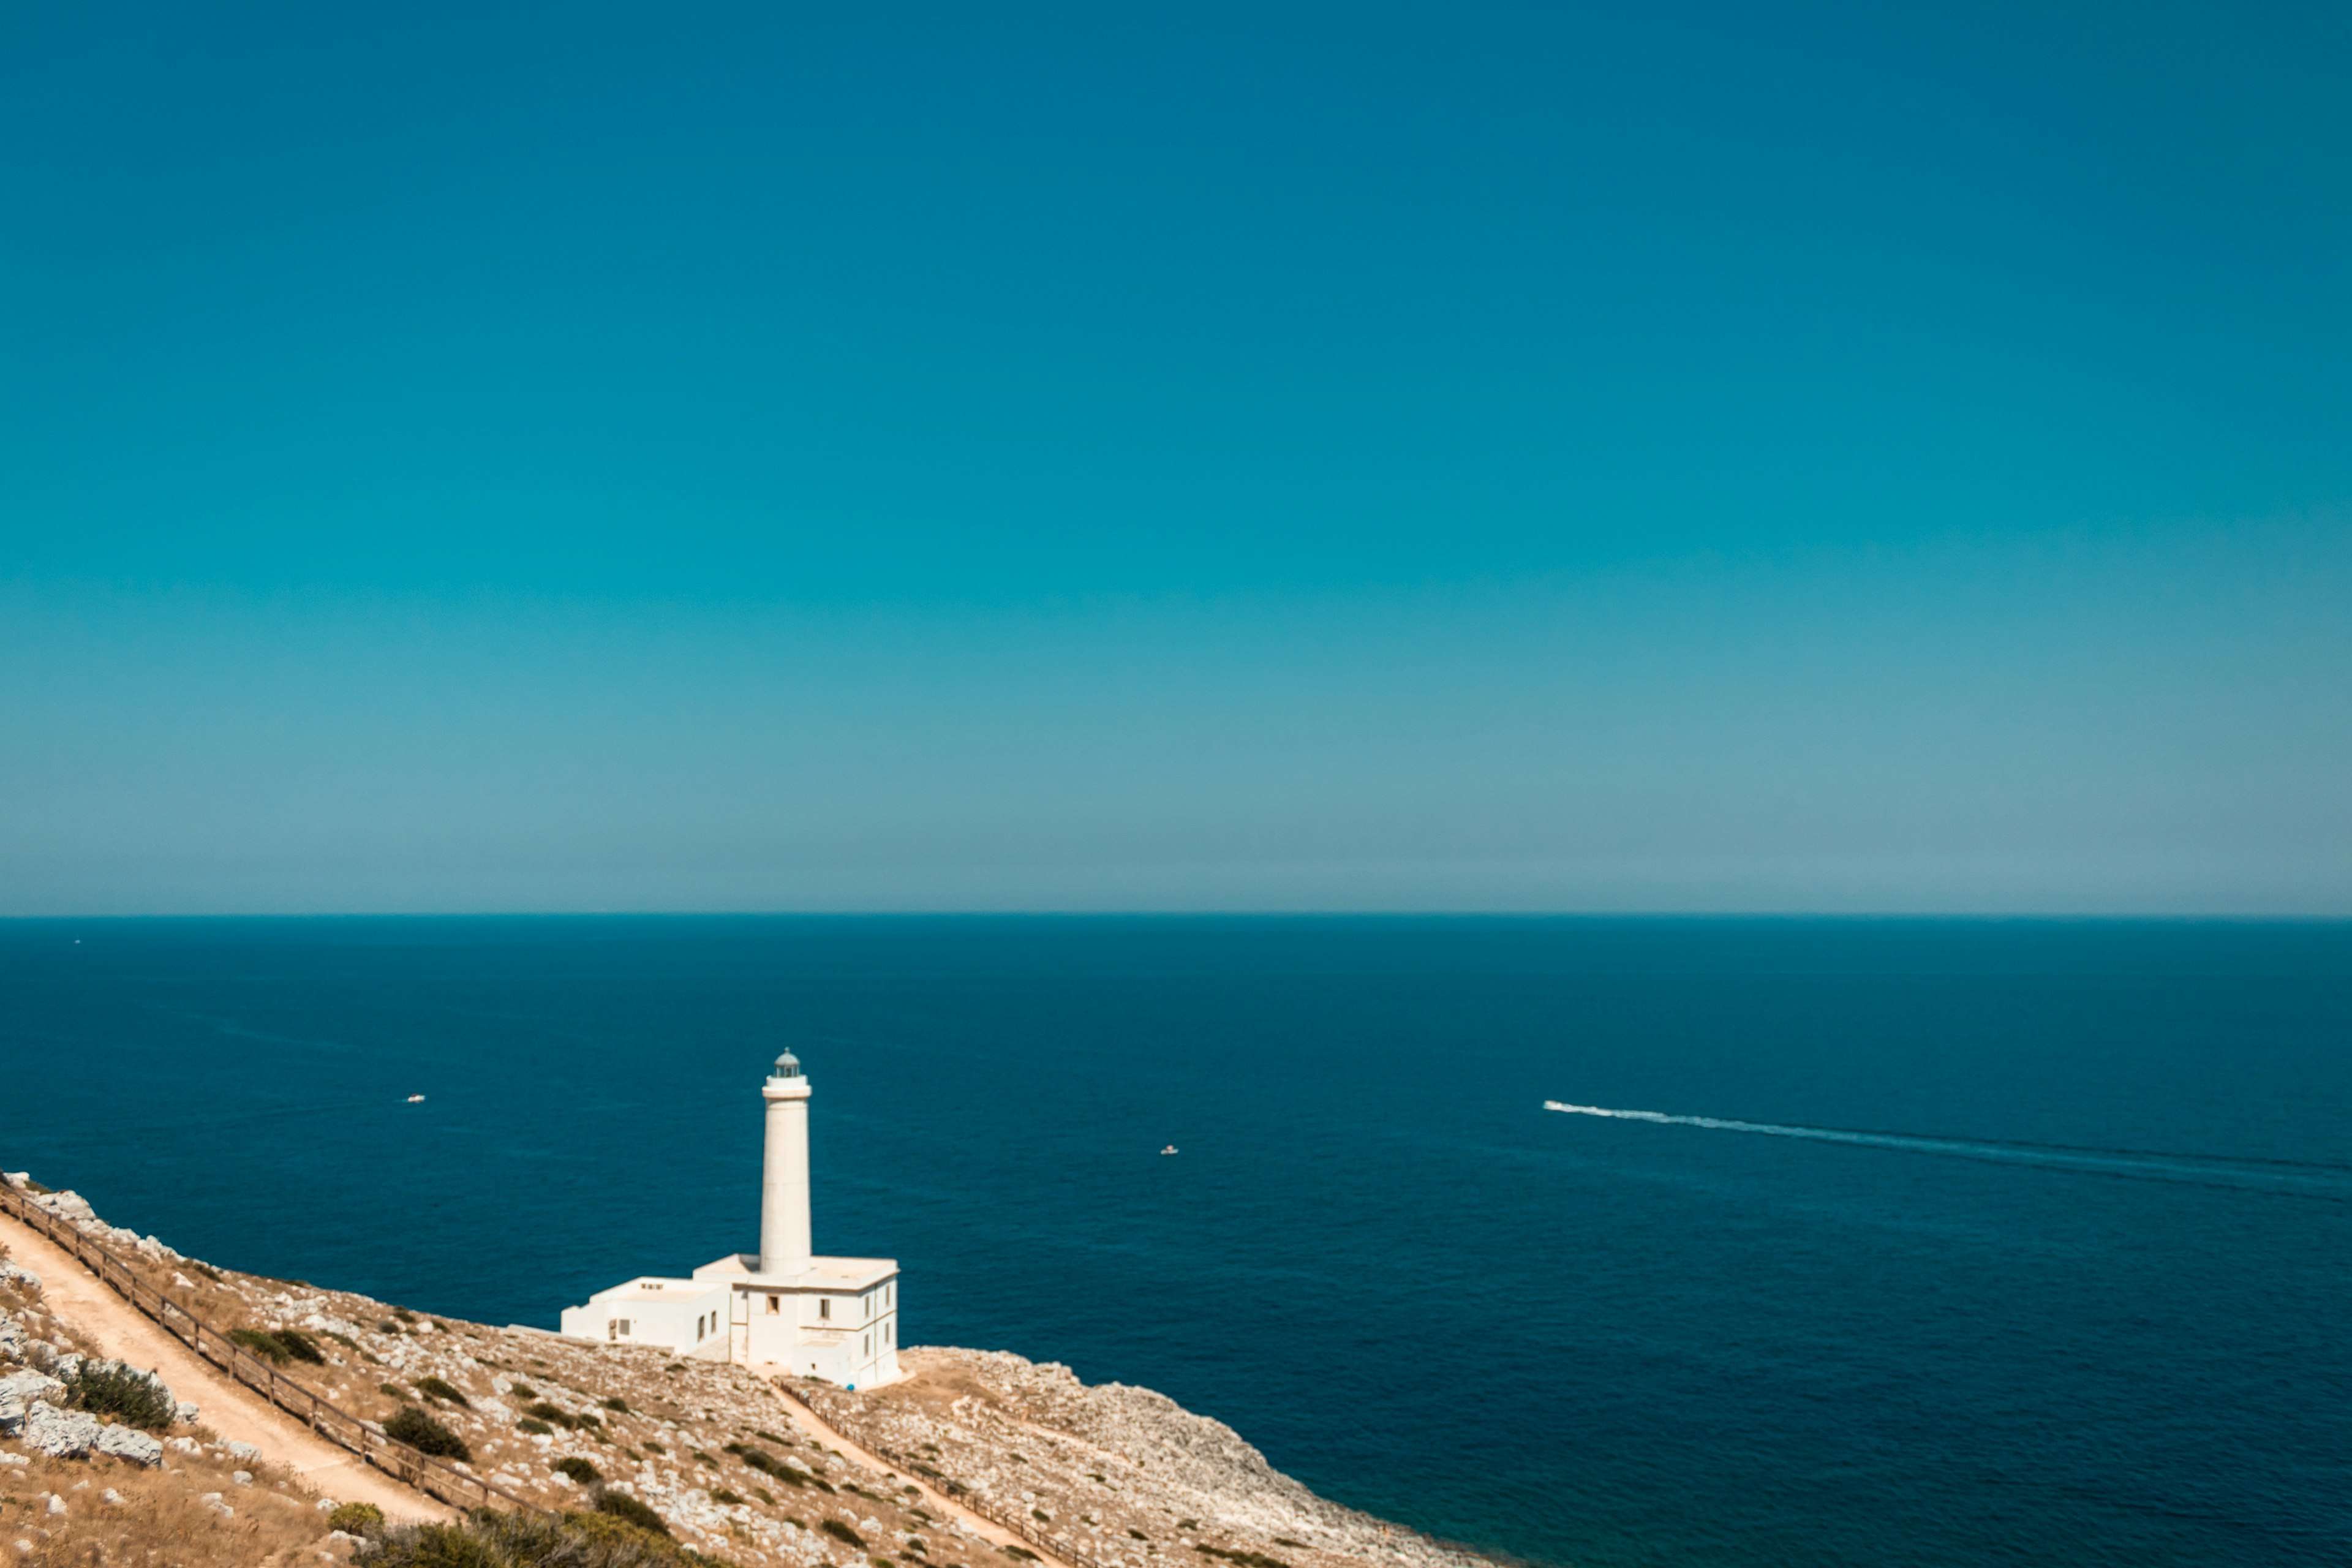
x: 1170, y: 1150
x: 415, y: 1099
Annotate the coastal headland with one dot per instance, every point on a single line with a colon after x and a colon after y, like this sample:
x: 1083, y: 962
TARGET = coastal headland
x: 974, y: 1457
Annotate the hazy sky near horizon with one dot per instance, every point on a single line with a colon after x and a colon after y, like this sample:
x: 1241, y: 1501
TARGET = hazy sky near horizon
x: 1710, y: 457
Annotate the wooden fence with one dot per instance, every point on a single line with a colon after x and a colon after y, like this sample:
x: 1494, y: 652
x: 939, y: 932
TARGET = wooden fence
x: 434, y: 1477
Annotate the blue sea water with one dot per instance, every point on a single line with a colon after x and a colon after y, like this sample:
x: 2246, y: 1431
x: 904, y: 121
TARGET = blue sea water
x: 2078, y: 1296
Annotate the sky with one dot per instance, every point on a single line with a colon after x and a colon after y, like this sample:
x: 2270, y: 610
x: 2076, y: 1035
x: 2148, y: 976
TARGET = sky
x: 1678, y: 458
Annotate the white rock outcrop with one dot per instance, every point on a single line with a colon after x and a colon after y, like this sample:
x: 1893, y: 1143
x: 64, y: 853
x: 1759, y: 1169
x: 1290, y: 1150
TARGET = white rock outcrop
x: 130, y: 1443
x: 59, y: 1433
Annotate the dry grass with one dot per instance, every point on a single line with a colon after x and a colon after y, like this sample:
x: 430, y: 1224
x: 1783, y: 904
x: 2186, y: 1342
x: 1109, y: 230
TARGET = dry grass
x: 162, y: 1517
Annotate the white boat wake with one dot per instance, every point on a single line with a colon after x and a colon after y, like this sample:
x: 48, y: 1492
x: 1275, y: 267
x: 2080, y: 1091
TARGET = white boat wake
x: 2308, y: 1178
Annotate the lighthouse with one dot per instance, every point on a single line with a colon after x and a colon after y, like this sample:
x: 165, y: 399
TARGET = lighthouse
x: 779, y: 1310
x: 783, y: 1171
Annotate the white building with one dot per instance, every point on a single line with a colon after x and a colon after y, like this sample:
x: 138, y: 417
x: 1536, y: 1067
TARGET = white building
x: 780, y: 1309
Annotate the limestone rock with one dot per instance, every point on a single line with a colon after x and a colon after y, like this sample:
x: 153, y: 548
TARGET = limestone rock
x: 28, y: 1385
x: 186, y: 1413
x: 130, y: 1443
x: 241, y: 1451
x: 17, y: 1275
x: 59, y: 1433
x: 66, y: 1205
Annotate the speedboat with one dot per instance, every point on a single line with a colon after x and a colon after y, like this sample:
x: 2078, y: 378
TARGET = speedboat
x: 1170, y: 1150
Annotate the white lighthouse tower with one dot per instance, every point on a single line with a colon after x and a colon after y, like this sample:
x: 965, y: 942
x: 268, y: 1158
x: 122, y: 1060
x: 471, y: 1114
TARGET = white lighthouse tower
x: 783, y: 1184
x: 779, y: 1310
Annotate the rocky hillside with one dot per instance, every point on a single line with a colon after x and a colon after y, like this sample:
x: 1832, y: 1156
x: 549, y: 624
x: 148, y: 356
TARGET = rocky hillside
x: 1108, y: 1477
x: 1108, y: 1474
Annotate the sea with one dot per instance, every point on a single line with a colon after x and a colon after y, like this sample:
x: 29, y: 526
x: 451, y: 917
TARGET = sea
x: 1844, y: 1242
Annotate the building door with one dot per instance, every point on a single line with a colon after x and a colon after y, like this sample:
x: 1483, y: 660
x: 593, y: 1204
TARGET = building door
x: 739, y: 1327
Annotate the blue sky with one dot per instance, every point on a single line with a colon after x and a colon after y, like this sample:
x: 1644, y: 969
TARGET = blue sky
x: 1685, y: 457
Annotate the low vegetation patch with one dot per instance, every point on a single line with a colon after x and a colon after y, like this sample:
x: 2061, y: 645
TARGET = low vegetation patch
x: 554, y: 1415
x: 356, y: 1518
x: 435, y: 1388
x: 421, y: 1432
x: 578, y: 1468
x: 121, y: 1394
x: 522, y: 1390
x: 267, y: 1346
x: 842, y: 1532
x: 722, y: 1494
x: 534, y: 1426
x: 1247, y: 1559
x: 629, y: 1510
x: 617, y: 1402
x: 489, y: 1540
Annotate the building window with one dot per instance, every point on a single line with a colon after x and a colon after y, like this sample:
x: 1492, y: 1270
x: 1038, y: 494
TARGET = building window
x: 621, y: 1327
x: 775, y: 1305
x: 869, y: 1344
x: 824, y: 1306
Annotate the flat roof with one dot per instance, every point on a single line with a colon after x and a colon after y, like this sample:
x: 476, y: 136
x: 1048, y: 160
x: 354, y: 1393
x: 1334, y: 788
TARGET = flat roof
x: 822, y: 1273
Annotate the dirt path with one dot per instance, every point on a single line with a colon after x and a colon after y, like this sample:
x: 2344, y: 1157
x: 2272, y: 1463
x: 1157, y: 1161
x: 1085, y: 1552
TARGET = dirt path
x: 231, y: 1409
x: 814, y: 1427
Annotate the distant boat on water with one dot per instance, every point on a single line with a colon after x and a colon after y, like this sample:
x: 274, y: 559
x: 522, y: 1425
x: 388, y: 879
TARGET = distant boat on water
x: 415, y: 1099
x: 1170, y: 1150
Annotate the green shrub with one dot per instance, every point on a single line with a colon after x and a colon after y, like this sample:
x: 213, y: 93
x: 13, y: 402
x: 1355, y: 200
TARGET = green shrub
x: 535, y: 1426
x: 1023, y: 1552
x: 522, y: 1390
x: 300, y: 1346
x: 579, y: 1469
x: 434, y: 1388
x: 552, y: 1413
x: 393, y: 1389
x: 1246, y: 1559
x: 206, y: 1270
x: 842, y: 1532
x: 617, y: 1402
x: 489, y: 1540
x: 702, y: 1459
x: 721, y: 1494
x: 266, y: 1346
x: 764, y: 1495
x: 130, y: 1397
x: 588, y: 1421
x: 769, y: 1436
x: 629, y: 1510
x: 356, y: 1518
x: 426, y: 1436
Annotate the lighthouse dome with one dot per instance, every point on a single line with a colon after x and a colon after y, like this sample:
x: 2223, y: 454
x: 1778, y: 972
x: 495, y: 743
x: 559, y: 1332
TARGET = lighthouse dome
x: 787, y: 1066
